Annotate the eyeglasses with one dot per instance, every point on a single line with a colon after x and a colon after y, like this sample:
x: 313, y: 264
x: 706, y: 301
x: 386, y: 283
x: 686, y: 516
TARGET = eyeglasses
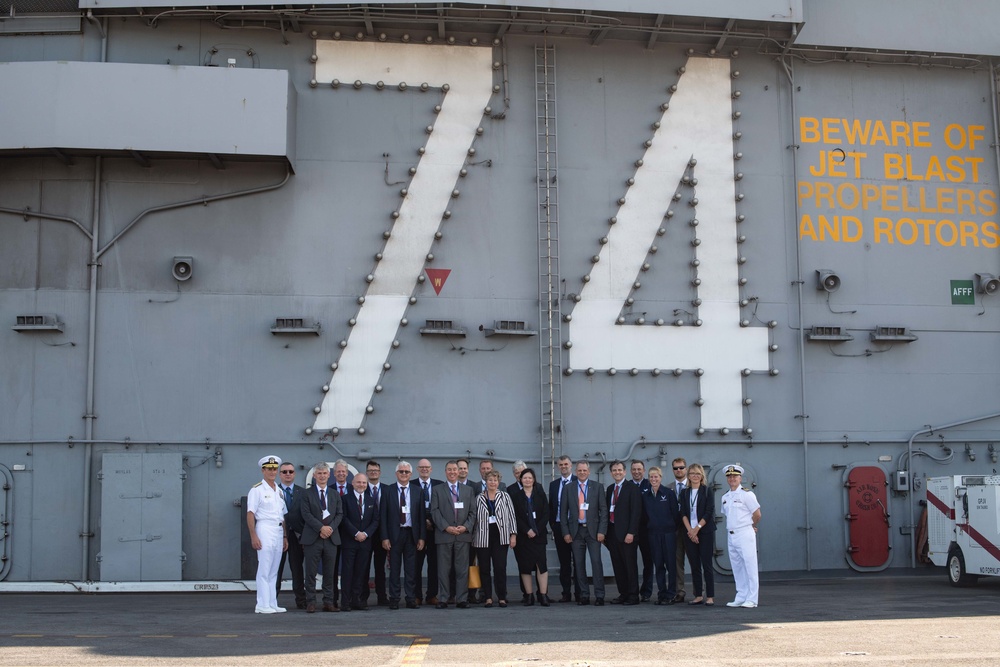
x: 679, y: 467
x: 404, y: 472
x: 287, y: 472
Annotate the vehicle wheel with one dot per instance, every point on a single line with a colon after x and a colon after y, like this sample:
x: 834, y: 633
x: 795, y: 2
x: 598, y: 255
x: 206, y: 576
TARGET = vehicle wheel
x: 957, y: 575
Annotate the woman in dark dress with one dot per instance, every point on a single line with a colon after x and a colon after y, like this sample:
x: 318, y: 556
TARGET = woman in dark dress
x: 531, y: 508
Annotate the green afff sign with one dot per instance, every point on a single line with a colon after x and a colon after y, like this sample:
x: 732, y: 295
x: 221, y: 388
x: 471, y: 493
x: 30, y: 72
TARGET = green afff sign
x: 962, y: 293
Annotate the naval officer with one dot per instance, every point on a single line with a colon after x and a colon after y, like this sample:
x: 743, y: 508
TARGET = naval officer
x: 742, y: 512
x: 266, y: 518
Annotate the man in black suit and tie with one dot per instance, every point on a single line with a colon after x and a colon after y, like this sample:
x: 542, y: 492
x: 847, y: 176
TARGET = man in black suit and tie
x: 294, y: 554
x: 454, y: 518
x: 320, y: 514
x: 429, y: 553
x: 563, y: 550
x: 401, y: 524
x: 341, y: 483
x: 584, y: 519
x: 638, y: 471
x: 624, y: 510
x: 356, y: 530
x: 379, y: 556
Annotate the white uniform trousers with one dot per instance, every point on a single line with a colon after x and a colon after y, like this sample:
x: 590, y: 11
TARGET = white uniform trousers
x: 271, y: 537
x: 743, y: 558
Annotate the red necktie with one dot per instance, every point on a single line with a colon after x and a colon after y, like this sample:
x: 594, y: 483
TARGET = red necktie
x: 614, y: 501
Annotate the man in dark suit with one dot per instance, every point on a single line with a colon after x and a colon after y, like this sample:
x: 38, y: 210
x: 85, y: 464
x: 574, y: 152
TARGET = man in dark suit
x: 429, y: 552
x: 563, y: 550
x: 294, y: 554
x: 320, y: 514
x: 401, y: 524
x: 341, y: 483
x: 624, y: 510
x: 638, y: 470
x: 584, y: 519
x: 454, y: 517
x: 356, y: 530
x: 379, y: 556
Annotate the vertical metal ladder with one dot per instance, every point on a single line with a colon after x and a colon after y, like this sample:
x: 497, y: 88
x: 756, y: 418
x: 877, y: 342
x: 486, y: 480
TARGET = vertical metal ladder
x: 550, y: 315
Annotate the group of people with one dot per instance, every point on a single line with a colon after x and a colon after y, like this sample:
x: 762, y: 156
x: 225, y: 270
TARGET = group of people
x: 345, y: 524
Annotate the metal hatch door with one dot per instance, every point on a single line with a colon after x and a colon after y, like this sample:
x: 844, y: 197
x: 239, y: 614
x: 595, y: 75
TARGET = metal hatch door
x: 141, y: 510
x: 867, y: 518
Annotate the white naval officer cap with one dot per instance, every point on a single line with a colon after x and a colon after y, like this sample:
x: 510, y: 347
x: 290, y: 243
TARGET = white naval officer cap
x: 269, y: 462
x: 733, y: 469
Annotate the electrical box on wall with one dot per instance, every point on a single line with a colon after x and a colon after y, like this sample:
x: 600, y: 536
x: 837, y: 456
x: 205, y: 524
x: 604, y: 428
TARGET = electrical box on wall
x: 901, y: 481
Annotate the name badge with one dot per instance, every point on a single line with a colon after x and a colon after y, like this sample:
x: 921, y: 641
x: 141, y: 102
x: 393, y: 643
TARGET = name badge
x: 427, y: 504
x: 406, y: 509
x: 460, y: 506
x: 493, y: 519
x: 585, y: 506
x: 326, y: 514
x: 533, y: 516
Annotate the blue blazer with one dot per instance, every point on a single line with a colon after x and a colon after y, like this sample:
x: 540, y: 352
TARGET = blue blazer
x: 661, y: 510
x: 389, y: 512
x: 554, y: 504
x: 353, y: 522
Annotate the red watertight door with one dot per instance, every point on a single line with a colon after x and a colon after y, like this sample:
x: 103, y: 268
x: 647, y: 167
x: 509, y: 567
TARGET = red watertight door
x: 867, y: 518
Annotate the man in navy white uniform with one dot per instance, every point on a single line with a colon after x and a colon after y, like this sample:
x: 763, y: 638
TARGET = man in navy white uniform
x: 266, y: 518
x: 742, y: 512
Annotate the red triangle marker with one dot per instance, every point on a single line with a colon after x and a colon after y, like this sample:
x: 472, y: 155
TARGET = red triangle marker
x: 438, y: 278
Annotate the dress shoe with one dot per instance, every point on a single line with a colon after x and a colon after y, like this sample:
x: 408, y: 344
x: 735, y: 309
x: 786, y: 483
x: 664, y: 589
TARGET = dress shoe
x: 300, y: 604
x: 735, y: 603
x: 441, y: 605
x: 279, y: 610
x: 749, y: 605
x: 310, y: 608
x: 696, y: 601
x: 529, y: 600
x: 361, y: 607
x: 599, y: 602
x: 419, y: 601
x: 543, y: 600
x: 393, y: 604
x: 451, y: 600
x: 679, y: 597
x: 644, y: 598
x: 328, y: 607
x: 431, y: 600
x: 384, y: 602
x: 264, y: 610
x: 462, y: 605
x: 412, y: 604
x: 566, y: 598
x: 618, y: 600
x: 631, y: 601
x: 583, y: 601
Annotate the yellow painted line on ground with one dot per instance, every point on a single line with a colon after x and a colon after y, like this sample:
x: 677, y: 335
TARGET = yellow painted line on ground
x: 351, y: 635
x: 221, y: 636
x: 417, y: 652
